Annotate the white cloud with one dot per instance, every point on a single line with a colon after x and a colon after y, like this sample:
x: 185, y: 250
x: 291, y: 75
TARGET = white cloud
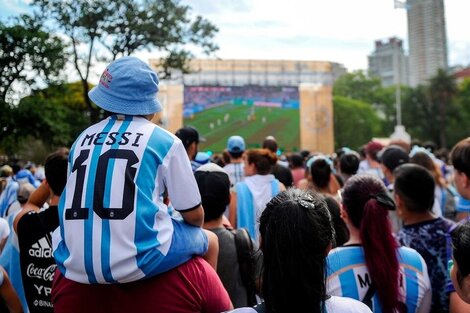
x: 336, y: 30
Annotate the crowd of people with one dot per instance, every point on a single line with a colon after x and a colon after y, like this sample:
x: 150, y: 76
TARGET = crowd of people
x: 134, y: 218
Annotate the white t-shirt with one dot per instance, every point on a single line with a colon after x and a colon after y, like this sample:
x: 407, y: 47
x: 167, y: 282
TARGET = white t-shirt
x: 4, y: 229
x: 333, y: 304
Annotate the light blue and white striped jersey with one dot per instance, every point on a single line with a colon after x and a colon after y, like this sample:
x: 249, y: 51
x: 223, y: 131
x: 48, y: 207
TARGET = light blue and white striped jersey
x: 114, y: 226
x: 347, y: 276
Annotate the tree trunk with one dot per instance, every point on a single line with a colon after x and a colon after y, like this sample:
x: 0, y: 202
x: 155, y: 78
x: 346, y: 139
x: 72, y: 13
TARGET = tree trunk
x: 94, y: 112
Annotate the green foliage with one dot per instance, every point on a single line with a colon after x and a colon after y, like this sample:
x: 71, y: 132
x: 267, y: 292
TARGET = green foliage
x: 357, y: 85
x: 123, y: 27
x: 54, y: 116
x: 356, y: 122
x: 28, y: 53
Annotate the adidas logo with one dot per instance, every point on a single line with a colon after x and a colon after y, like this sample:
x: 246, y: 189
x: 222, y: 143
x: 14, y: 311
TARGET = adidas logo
x: 42, y: 248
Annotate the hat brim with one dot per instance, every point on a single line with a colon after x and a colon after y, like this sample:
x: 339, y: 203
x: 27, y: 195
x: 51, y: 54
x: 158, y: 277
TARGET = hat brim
x: 117, y: 105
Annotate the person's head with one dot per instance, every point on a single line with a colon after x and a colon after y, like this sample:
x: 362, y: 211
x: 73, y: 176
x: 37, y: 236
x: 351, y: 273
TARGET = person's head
x: 392, y: 157
x: 127, y: 86
x: 214, y: 187
x: 349, y: 163
x: 190, y: 138
x: 270, y: 143
x: 235, y: 146
x: 414, y: 189
x: 341, y: 230
x: 259, y: 161
x: 365, y: 205
x: 320, y: 171
x: 296, y: 235
x: 296, y: 161
x: 24, y: 191
x: 423, y: 159
x: 460, y: 159
x: 6, y: 171
x: 55, y: 169
x: 460, y: 272
x: 372, y: 149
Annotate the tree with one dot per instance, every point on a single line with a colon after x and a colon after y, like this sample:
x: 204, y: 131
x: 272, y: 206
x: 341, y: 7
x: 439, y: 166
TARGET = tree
x: 355, y: 122
x: 124, y: 26
x: 29, y: 54
x: 53, y: 115
x: 443, y: 89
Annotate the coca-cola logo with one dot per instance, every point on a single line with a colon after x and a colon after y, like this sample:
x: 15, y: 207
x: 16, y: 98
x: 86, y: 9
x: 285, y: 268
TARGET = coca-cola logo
x: 46, y: 274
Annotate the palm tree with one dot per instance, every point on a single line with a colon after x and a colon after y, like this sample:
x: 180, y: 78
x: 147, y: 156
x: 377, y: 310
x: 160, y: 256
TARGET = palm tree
x: 443, y: 89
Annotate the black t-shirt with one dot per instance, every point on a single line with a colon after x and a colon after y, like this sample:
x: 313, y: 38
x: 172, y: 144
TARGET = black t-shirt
x: 37, y: 262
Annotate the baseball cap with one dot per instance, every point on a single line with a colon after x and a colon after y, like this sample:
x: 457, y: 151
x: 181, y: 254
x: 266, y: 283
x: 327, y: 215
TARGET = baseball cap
x: 214, y: 186
x: 127, y: 86
x: 393, y: 156
x: 202, y: 158
x: 188, y: 135
x: 235, y: 144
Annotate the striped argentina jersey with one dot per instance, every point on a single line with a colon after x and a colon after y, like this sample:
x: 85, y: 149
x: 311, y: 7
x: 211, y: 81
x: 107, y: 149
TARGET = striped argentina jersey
x: 114, y: 226
x: 347, y: 276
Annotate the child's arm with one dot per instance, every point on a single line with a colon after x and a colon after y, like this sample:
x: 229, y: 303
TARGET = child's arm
x: 194, y: 217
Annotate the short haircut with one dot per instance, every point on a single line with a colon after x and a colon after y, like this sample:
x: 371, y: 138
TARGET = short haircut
x: 460, y: 156
x: 461, y: 250
x: 321, y: 172
x: 415, y: 186
x: 270, y: 144
x: 55, y: 169
x: 349, y: 163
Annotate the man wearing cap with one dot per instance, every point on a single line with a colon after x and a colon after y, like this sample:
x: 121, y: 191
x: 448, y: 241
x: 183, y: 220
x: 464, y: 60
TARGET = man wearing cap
x: 114, y: 225
x: 190, y: 138
x: 371, y: 164
x: 235, y: 169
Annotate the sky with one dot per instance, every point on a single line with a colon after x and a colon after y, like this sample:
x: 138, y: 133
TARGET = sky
x: 342, y: 31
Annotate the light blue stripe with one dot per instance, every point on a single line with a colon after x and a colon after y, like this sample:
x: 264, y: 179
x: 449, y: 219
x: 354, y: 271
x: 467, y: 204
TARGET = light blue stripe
x: 410, y: 257
x: 412, y: 291
x: 88, y: 231
x: 105, y: 227
x: 348, y: 285
x: 148, y: 257
x: 376, y: 306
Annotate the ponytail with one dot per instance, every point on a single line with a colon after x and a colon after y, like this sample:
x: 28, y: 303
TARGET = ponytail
x: 380, y: 250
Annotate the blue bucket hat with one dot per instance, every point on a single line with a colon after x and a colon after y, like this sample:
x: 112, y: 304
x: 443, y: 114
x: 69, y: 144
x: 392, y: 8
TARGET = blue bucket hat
x: 127, y: 86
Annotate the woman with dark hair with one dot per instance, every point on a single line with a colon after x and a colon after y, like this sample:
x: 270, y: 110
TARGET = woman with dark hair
x: 371, y: 267
x: 251, y: 195
x: 320, y: 176
x: 460, y: 264
x: 296, y: 235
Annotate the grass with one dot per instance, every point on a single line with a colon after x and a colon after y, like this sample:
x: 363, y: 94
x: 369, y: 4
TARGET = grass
x: 252, y: 123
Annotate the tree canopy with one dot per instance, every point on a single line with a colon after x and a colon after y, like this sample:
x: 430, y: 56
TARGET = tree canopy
x: 107, y: 29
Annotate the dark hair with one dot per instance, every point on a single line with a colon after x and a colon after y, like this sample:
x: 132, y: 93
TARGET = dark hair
x: 361, y: 202
x: 461, y: 250
x: 236, y: 155
x: 296, y: 231
x: 421, y: 158
x: 460, y: 156
x: 270, y: 144
x: 321, y: 173
x: 415, y: 186
x: 296, y: 160
x: 349, y: 163
x: 55, y: 169
x: 341, y: 230
x: 263, y: 159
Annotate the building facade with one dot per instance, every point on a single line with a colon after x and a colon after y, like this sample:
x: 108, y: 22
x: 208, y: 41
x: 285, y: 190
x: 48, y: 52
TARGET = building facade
x: 217, y: 72
x: 427, y: 39
x: 389, y: 62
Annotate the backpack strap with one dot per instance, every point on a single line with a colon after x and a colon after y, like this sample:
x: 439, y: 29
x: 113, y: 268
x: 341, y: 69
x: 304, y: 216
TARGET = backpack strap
x: 245, y: 251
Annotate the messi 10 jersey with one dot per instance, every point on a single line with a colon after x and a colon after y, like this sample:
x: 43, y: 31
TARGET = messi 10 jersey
x: 114, y: 226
